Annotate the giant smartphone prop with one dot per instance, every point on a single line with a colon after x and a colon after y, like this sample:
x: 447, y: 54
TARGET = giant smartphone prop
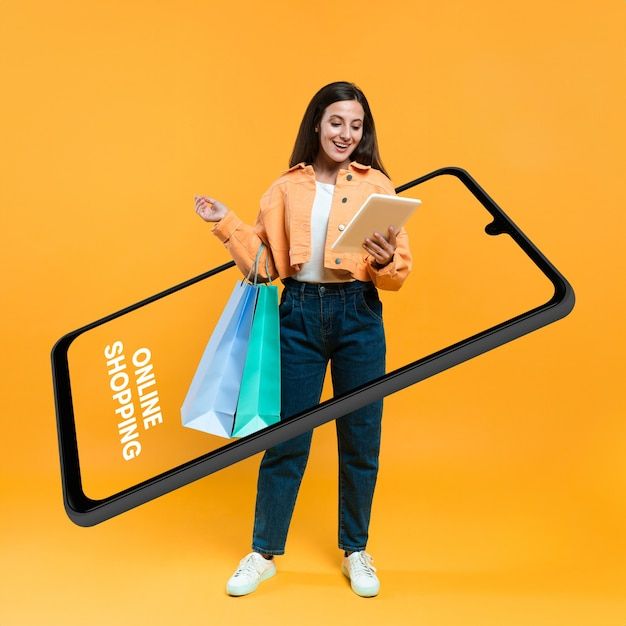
x: 477, y: 282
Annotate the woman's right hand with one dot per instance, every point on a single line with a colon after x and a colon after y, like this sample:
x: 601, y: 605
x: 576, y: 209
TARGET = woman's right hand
x: 210, y: 209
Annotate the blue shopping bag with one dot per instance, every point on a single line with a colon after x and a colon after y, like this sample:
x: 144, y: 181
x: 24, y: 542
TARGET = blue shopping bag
x: 211, y: 401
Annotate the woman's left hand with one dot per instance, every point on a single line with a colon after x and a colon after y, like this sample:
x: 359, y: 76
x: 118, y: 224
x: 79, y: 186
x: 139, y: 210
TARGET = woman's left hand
x: 382, y: 248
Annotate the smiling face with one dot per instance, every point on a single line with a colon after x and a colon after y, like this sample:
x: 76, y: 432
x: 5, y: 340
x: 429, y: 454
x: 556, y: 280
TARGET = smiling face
x: 340, y: 131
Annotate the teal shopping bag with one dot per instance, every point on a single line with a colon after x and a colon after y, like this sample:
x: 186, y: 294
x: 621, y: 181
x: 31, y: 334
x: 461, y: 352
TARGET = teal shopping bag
x: 259, y: 394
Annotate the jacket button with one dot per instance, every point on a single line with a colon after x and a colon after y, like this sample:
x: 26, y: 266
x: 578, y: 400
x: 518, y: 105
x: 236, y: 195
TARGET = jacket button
x: 341, y: 227
x: 337, y: 261
x: 349, y: 177
x: 344, y: 200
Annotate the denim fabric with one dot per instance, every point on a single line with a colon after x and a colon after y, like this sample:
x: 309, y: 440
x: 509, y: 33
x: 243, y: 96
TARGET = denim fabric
x: 340, y: 322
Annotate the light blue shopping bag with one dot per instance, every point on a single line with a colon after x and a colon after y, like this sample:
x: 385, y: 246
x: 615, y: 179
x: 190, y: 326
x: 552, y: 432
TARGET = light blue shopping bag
x: 211, y: 401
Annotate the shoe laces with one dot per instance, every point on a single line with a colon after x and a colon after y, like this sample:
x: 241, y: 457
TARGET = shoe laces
x: 248, y: 566
x: 363, y: 564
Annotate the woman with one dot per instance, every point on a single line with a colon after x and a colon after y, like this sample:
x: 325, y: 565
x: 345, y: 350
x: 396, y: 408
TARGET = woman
x: 329, y: 310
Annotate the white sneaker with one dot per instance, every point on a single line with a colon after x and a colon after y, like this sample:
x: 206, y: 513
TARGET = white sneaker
x: 359, y: 569
x: 252, y: 570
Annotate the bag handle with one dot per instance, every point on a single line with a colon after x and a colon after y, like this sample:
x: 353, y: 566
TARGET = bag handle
x: 256, y: 264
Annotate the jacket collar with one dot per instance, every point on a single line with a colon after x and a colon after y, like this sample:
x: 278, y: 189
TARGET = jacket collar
x: 303, y: 165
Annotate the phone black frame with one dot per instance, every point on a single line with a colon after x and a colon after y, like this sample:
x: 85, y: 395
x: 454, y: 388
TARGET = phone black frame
x: 85, y: 511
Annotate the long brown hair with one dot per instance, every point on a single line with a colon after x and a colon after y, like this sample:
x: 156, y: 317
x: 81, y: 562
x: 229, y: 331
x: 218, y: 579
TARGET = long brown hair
x: 307, y: 143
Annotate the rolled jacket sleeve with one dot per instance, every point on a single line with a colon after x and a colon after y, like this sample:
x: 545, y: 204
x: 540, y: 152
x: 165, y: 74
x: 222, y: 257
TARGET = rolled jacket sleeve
x: 392, y: 276
x: 242, y: 242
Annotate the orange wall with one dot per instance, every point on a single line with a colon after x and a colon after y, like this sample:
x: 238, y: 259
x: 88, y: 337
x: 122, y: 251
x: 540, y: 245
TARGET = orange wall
x: 502, y: 480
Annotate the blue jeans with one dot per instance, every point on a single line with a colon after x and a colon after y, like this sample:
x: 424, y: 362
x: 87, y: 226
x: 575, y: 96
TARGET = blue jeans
x: 341, y: 322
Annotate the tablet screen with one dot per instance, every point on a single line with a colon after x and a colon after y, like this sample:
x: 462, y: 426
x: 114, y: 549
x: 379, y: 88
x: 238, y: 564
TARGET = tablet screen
x: 378, y: 212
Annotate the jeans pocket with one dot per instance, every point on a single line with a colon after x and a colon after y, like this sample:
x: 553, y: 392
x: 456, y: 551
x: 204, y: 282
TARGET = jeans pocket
x: 370, y: 303
x: 286, y: 304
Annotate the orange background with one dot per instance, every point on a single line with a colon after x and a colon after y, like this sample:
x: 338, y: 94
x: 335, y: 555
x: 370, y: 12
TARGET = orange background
x: 501, y: 493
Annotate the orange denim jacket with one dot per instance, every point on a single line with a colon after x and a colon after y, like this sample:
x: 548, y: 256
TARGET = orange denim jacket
x: 284, y: 226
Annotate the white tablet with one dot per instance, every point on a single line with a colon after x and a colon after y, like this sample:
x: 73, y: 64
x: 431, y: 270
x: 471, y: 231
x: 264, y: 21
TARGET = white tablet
x: 378, y: 212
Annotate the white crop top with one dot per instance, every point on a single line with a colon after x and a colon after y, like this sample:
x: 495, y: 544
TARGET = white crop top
x: 313, y: 271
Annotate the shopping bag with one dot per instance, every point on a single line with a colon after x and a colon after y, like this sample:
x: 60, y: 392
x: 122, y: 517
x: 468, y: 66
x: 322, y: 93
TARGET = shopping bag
x: 211, y: 401
x: 259, y: 393
x: 212, y: 397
